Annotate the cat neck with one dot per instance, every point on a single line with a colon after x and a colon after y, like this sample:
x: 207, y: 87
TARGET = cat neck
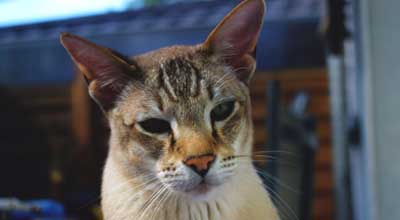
x: 121, y: 199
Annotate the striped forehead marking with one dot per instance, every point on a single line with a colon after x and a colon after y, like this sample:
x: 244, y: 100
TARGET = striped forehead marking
x: 180, y: 79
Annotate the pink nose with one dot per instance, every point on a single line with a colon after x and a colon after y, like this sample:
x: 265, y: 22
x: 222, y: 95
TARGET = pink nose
x: 200, y: 164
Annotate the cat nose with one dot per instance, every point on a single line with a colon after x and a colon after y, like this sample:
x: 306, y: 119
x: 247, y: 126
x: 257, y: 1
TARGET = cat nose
x: 200, y: 164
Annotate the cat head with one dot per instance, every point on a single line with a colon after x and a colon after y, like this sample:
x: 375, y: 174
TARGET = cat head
x: 179, y: 115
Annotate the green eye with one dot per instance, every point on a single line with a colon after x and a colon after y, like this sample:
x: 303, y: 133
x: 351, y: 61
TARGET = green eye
x: 155, y: 126
x: 222, y: 111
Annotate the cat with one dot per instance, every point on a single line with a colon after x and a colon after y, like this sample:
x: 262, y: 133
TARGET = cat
x: 181, y: 130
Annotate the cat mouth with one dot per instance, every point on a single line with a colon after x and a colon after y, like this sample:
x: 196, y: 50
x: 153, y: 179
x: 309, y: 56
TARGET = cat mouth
x: 203, y: 188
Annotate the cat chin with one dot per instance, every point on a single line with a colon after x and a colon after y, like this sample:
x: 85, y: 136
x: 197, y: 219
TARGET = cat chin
x: 202, y: 192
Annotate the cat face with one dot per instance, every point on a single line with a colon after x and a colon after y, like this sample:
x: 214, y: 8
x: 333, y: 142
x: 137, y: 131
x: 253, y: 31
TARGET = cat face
x: 179, y: 116
x: 189, y: 118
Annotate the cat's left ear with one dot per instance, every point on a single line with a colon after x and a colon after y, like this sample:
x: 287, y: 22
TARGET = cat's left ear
x: 106, y: 73
x: 235, y: 38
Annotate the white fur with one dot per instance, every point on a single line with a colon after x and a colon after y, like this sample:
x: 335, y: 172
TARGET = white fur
x: 244, y: 197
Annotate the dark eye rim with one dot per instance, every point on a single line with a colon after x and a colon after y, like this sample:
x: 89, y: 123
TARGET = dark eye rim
x: 156, y: 126
x: 227, y: 114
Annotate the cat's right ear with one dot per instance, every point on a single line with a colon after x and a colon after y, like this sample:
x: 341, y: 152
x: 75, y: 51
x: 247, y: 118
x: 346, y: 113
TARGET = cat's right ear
x: 105, y: 73
x: 235, y: 38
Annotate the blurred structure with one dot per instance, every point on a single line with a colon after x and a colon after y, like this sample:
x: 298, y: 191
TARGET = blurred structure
x: 39, y: 209
x: 364, y: 76
x: 139, y: 31
x: 292, y: 143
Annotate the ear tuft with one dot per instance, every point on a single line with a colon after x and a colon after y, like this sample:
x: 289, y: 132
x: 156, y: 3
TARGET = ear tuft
x: 105, y: 73
x: 235, y: 38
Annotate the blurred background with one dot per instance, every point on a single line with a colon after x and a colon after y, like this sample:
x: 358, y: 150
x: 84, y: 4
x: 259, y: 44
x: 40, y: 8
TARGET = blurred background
x: 325, y: 102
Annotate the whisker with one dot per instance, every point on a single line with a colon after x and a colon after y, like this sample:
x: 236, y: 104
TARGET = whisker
x: 276, y: 180
x: 263, y: 159
x: 125, y: 203
x: 282, y: 201
x: 161, y: 203
x: 130, y: 181
x: 266, y: 175
x: 221, y: 80
x: 97, y: 198
x: 289, y: 153
x: 278, y: 200
x: 149, y: 203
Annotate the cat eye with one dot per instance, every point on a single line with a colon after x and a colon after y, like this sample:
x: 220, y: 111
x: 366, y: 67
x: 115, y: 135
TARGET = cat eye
x: 222, y: 111
x: 155, y: 126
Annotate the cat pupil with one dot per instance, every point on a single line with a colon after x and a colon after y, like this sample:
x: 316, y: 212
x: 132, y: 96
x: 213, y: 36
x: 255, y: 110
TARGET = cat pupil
x: 222, y: 111
x: 156, y: 126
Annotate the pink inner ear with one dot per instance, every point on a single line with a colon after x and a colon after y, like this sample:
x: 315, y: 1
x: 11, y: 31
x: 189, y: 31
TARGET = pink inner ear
x: 91, y: 57
x: 106, y: 74
x: 238, y: 33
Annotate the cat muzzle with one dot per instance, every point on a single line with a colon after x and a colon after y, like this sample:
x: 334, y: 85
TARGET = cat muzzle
x: 200, y: 164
